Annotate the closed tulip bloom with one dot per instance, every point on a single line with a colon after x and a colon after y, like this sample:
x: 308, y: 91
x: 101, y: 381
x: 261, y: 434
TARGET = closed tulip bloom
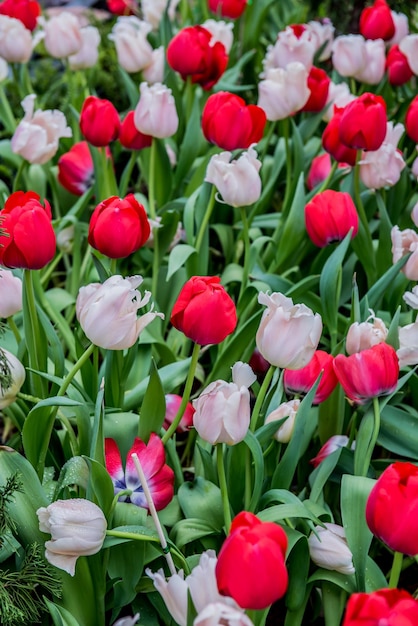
x: 367, y: 374
x: 88, y: 54
x: 17, y: 374
x: 375, y: 62
x: 27, y: 11
x: 156, y: 114
x: 10, y: 293
x: 229, y: 123
x: 302, y: 380
x: 284, y: 91
x: 295, y: 44
x: 392, y: 508
x: 122, y: 7
x: 383, y: 167
x: 239, y: 181
x: 408, y: 344
x: 221, y: 613
x: 411, y: 297
x: 37, y: 135
x: 376, y: 21
x: 331, y: 141
x: 24, y: 220
x: 385, y: 606
x: 318, y: 171
x: 133, y: 49
x: 204, y: 311
x: 172, y: 405
x: 328, y: 548
x: 330, y: 216
x: 363, y: 122
x: 130, y: 137
x: 318, y: 84
x: 409, y: 47
x: 411, y: 120
x: 364, y: 335
x: 401, y: 22
x: 127, y: 621
x: 77, y: 528
x: 153, y: 10
x: 349, y: 54
x: 403, y: 242
x: 228, y: 8
x: 222, y: 411
x: 75, y: 169
x: 192, y: 52
x: 118, y: 227
x: 99, y: 121
x: 397, y: 67
x: 221, y: 31
x: 16, y: 43
x: 339, y: 96
x: 154, y: 72
x: 288, y: 334
x: 288, y: 410
x: 107, y: 312
x: 251, y: 563
x: 62, y: 34
x: 333, y: 444
x: 159, y: 476
x: 323, y: 34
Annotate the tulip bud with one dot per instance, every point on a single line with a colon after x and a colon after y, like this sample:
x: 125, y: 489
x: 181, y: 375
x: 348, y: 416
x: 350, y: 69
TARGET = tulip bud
x: 77, y: 528
x: 348, y: 54
x: 295, y: 44
x: 401, y: 28
x: 284, y: 91
x: 65, y: 239
x: 364, y: 335
x: 363, y: 122
x: 330, y: 216
x: 130, y: 137
x: 156, y: 114
x: 88, y: 55
x: 221, y: 31
x: 27, y: 11
x: 238, y: 182
x: 332, y: 445
x: 411, y: 120
x: 288, y: 334
x: 127, y: 621
x: 374, y: 62
x: 329, y: 549
x: 99, y: 121
x: 397, y: 67
x: 62, y: 34
x: 154, y: 72
x: 318, y: 171
x: 14, y: 376
x: 133, y: 49
x: 221, y: 613
x: 153, y: 10
x: 122, y: 7
x: 411, y: 297
x: 318, y: 84
x: 383, y: 167
x: 15, y: 40
x: 409, y: 47
x: 331, y: 141
x: 408, y: 345
x: 228, y: 8
x: 76, y: 169
x: 10, y: 293
x: 376, y: 21
x: 301, y: 380
x: 288, y: 410
x: 172, y: 405
x: 403, y: 242
x: 385, y: 606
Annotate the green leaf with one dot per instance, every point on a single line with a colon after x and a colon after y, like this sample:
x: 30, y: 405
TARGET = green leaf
x: 189, y: 530
x: 399, y: 431
x: 293, y: 231
x: 171, y: 376
x: 297, y: 563
x: 257, y: 457
x: 153, y: 406
x: 60, y: 616
x: 202, y: 499
x: 100, y: 487
x: 178, y: 257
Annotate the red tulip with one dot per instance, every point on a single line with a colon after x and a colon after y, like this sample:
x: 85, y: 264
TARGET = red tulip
x: 192, y: 53
x: 329, y: 216
x: 397, y: 67
x: 229, y: 123
x: 99, y: 121
x: 392, y: 508
x: 376, y: 22
x: 75, y: 169
x: 172, y: 405
x: 130, y: 137
x: 333, y: 444
x: 394, y: 607
x: 251, y: 563
x: 29, y: 239
x: 363, y: 123
x: 204, y: 311
x: 411, y: 120
x: 228, y: 8
x: 332, y: 143
x: 301, y: 381
x: 122, y: 7
x: 27, y: 11
x: 369, y: 373
x: 318, y: 83
x: 119, y: 227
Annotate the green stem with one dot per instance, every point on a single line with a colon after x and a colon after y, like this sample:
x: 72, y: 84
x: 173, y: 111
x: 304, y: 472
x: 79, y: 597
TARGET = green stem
x: 267, y: 139
x: 33, y: 339
x: 248, y: 479
x: 395, y: 572
x: 133, y: 536
x: 186, y: 394
x: 75, y: 448
x: 328, y: 179
x: 153, y: 216
x: 76, y: 367
x: 260, y: 397
x: 127, y: 173
x: 223, y: 486
x: 7, y: 116
x: 247, y: 245
x: 285, y: 129
x: 373, y: 438
x: 370, y: 268
x: 205, y: 221
x: 19, y: 175
x: 14, y: 329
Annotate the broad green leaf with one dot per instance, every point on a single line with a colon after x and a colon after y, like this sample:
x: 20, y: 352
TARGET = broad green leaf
x: 178, y: 257
x: 189, y: 530
x: 153, y: 406
x: 202, y: 499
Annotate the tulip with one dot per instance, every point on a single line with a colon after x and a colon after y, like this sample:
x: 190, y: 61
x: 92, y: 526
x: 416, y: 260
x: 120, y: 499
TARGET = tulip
x: 130, y: 137
x: 65, y: 239
x: 333, y: 444
x: 401, y: 28
x: 107, y: 312
x: 369, y: 373
x: 288, y: 334
x: 408, y: 344
x: 24, y: 220
x: 349, y: 54
x: 376, y: 22
x: 392, y: 508
x: 318, y: 83
x: 133, y: 49
x: 37, y: 135
x: 27, y: 11
x: 12, y: 379
x: 283, y: 91
x: 383, y: 167
x: 328, y: 548
x: 411, y: 297
x: 222, y: 411
x: 193, y: 53
x: 331, y: 141
x: 127, y: 621
x: 88, y: 55
x: 364, y: 335
x: 155, y: 114
x: 288, y: 410
x: 374, y: 62
x: 77, y: 528
x: 397, y: 67
x: 221, y: 31
x: 403, y: 242
x: 172, y: 405
x: 409, y: 47
x: 15, y: 40
x: 229, y: 123
x: 295, y: 44
x: 159, y: 476
x: 251, y: 563
x: 10, y: 293
x: 204, y: 311
x: 75, y: 169
x: 323, y: 35
x: 99, y: 121
x: 301, y: 380
x: 153, y: 10
x: 118, y: 227
x: 122, y: 7
x: 338, y: 97
x: 154, y: 72
x: 385, y: 606
x: 411, y: 120
x: 62, y: 34
x: 221, y: 613
x: 318, y: 171
x: 363, y: 122
x: 330, y: 216
x: 228, y: 8
x: 238, y: 182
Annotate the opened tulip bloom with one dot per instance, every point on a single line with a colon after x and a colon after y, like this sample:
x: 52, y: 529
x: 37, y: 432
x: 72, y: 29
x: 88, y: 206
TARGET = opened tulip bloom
x: 77, y: 528
x: 75, y: 169
x: 238, y: 181
x: 328, y: 548
x: 301, y: 380
x: 99, y: 121
x: 25, y: 220
x: 10, y: 293
x: 108, y: 312
x: 384, y: 606
x: 369, y: 373
x: 295, y: 44
x: 283, y: 91
x: 364, y: 335
x: 159, y: 476
x: 204, y: 311
x: 10, y: 364
x: 251, y: 563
